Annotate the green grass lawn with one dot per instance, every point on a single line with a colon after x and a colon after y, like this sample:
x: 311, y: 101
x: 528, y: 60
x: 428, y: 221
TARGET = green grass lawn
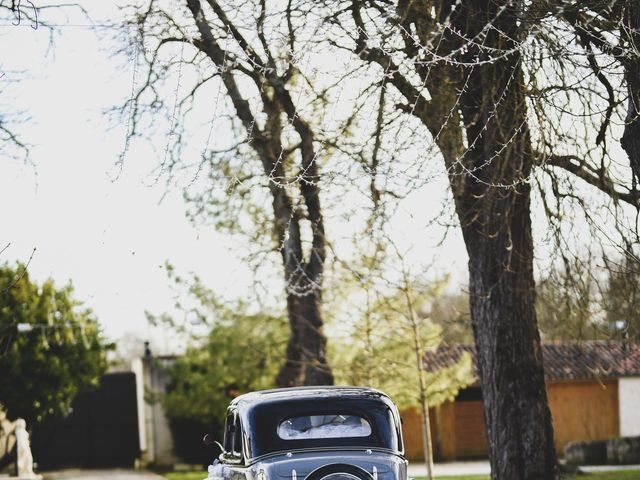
x: 621, y: 475
x: 197, y: 475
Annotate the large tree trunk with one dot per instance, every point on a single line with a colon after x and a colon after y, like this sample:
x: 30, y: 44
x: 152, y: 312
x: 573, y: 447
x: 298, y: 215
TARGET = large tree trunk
x: 494, y: 212
x: 306, y: 350
x: 631, y: 137
x: 489, y: 181
x: 468, y: 57
x: 306, y: 362
x: 502, y: 298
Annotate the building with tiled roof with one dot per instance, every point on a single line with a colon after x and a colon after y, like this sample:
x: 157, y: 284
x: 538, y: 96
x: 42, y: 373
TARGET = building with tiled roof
x: 593, y: 389
x: 583, y: 360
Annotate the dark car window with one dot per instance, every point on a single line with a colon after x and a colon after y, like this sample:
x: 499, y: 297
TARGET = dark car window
x: 323, y: 426
x: 232, y: 433
x: 237, y: 439
x: 269, y: 430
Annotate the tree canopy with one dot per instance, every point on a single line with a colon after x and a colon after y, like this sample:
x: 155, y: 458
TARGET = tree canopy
x: 241, y: 353
x: 381, y: 352
x: 50, y: 347
x: 231, y: 348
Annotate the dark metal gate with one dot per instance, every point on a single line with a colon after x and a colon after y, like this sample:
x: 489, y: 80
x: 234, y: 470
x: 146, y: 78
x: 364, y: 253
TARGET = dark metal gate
x: 100, y: 432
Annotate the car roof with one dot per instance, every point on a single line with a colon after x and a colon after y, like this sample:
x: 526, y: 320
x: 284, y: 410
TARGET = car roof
x: 262, y: 412
x: 299, y: 393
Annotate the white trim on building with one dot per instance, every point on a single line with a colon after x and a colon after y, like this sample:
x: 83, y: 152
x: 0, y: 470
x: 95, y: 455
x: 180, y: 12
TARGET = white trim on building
x: 629, y: 406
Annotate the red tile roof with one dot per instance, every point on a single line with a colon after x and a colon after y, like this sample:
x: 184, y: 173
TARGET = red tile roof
x: 580, y: 360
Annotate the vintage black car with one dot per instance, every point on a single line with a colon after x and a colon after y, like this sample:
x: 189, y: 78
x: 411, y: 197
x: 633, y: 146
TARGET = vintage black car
x: 312, y: 433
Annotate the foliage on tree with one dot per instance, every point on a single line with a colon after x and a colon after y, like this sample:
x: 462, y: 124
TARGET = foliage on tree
x: 591, y: 299
x: 241, y: 353
x: 233, y: 349
x: 450, y: 311
x: 379, y: 351
x: 387, y: 344
x: 386, y: 360
x: 50, y: 347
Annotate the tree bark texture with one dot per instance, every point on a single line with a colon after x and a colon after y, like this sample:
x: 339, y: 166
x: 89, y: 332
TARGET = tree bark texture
x: 306, y: 362
x: 485, y: 104
x: 306, y: 358
x: 630, y: 141
x: 494, y: 212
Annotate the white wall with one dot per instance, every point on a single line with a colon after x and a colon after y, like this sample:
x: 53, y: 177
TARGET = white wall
x: 159, y: 438
x: 137, y: 369
x: 629, y: 402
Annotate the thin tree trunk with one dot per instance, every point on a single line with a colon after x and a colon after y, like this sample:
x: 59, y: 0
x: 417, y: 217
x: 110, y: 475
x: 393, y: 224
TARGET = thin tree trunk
x: 419, y: 355
x: 426, y: 437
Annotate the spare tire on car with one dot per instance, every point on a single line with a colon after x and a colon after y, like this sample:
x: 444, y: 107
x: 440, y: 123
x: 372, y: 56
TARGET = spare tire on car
x: 340, y: 471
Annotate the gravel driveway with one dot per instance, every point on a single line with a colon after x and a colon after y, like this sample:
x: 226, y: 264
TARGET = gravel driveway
x: 77, y: 474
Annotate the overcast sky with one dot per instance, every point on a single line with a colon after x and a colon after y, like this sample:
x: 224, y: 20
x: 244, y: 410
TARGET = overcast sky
x: 111, y: 237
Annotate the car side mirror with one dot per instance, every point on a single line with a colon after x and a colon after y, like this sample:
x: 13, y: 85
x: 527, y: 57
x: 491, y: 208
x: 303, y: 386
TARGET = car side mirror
x: 209, y: 441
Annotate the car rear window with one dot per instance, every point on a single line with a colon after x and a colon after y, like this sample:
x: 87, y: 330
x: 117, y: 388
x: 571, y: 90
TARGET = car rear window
x: 323, y: 426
